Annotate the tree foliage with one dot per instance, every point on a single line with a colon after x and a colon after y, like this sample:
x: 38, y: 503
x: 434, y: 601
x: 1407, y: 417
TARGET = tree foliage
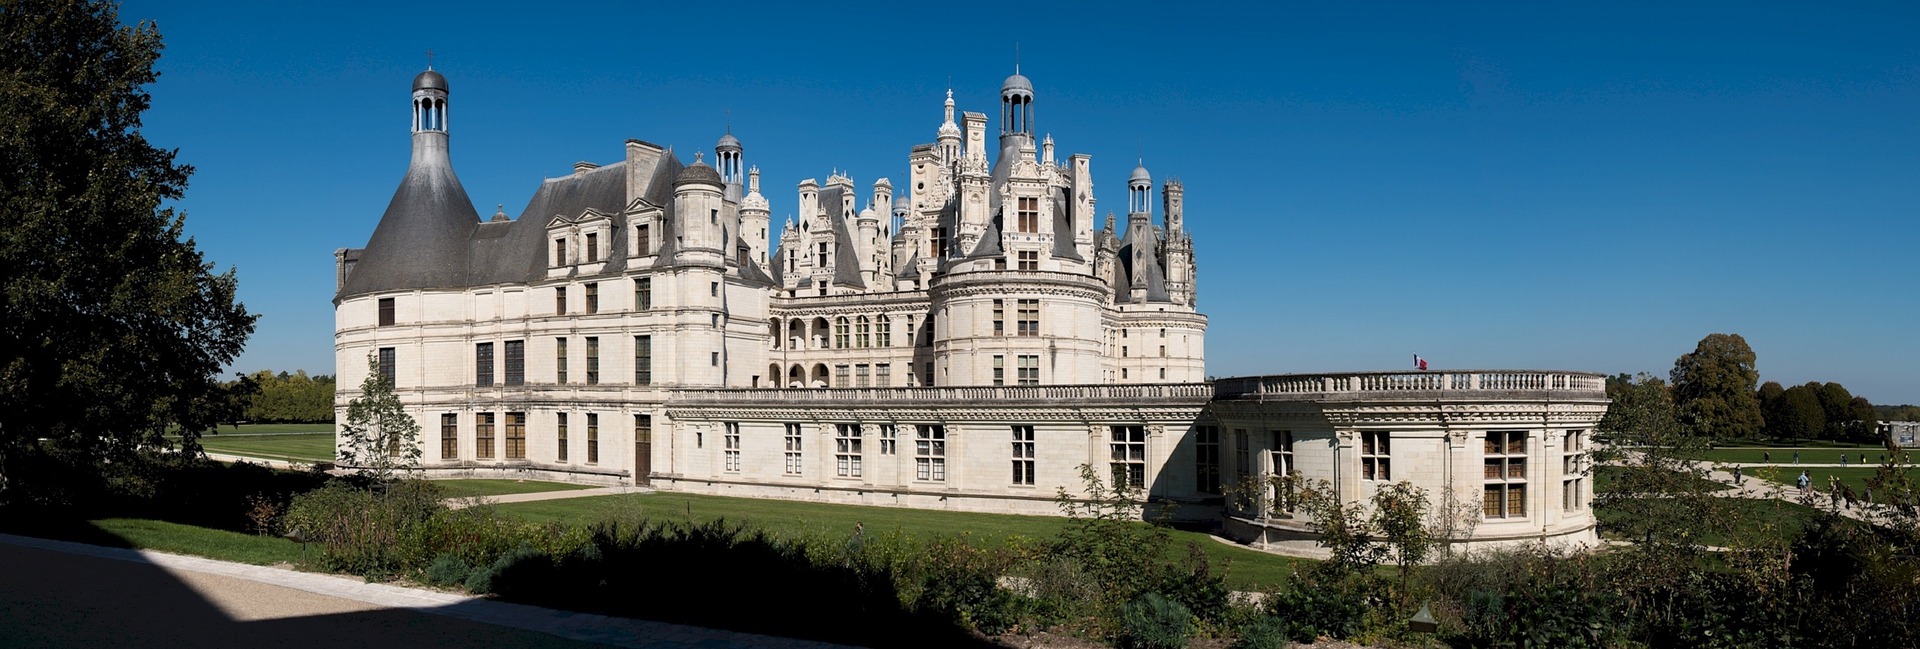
x: 1660, y: 495
x: 1713, y: 388
x: 113, y: 327
x: 379, y: 438
x: 290, y: 398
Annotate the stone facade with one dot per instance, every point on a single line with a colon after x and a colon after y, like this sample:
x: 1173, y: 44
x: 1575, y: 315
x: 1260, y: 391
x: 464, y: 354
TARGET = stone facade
x: 966, y: 343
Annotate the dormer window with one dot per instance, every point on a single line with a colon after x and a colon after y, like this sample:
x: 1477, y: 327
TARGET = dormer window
x: 642, y: 242
x: 559, y: 252
x: 593, y: 247
x: 1029, y: 214
x: 820, y: 259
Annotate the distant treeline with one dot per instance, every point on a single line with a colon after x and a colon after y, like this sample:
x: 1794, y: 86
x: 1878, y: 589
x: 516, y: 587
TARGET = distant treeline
x: 1898, y: 413
x: 289, y: 398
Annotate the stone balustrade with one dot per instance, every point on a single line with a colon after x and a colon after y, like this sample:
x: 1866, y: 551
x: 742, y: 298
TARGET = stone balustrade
x: 1196, y: 392
x: 1458, y: 383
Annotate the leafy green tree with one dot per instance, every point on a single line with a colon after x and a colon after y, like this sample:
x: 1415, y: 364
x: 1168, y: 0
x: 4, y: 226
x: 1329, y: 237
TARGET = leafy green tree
x: 1800, y: 414
x: 1400, y: 516
x: 1771, y: 397
x: 379, y: 438
x: 1343, y: 529
x: 1713, y: 388
x: 113, y: 327
x: 1659, y: 496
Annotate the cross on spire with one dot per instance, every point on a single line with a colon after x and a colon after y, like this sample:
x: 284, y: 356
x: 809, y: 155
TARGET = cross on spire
x: 430, y: 58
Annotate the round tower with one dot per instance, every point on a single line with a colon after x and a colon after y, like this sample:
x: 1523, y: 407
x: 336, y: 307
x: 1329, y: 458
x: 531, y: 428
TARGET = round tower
x: 1140, y: 191
x: 726, y: 160
x: 755, y: 217
x: 697, y: 196
x: 1016, y: 108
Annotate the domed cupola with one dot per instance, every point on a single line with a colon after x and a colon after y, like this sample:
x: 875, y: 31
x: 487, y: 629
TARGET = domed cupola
x: 1139, y: 190
x: 698, y: 173
x: 1016, y: 106
x: 421, y: 241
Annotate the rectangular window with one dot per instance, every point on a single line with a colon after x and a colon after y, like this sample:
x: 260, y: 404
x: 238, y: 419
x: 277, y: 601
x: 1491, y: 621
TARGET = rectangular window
x: 846, y: 450
x: 889, y: 439
x: 883, y: 332
x: 516, y: 362
x: 1281, y: 454
x: 1505, y: 475
x: 842, y: 376
x: 386, y: 311
x: 643, y: 431
x: 820, y: 256
x: 999, y: 370
x: 1376, y: 455
x: 1029, y: 260
x: 713, y: 358
x: 937, y: 244
x: 1029, y: 317
x: 559, y: 300
x: 560, y: 361
x: 862, y: 333
x: 930, y: 452
x: 593, y: 247
x: 593, y: 438
x: 593, y: 297
x: 483, y: 435
x: 860, y: 379
x: 1030, y: 370
x: 999, y: 317
x: 559, y: 252
x: 483, y: 364
x: 883, y: 375
x: 929, y: 380
x: 593, y: 361
x: 516, y: 436
x: 643, y: 360
x: 1573, y: 468
x: 386, y: 365
x: 1023, y: 455
x: 794, y: 457
x: 449, y: 436
x: 713, y: 289
x: 1242, y: 455
x: 643, y: 294
x: 1029, y: 214
x: 560, y: 436
x: 1206, y: 459
x: 731, y: 440
x: 840, y: 335
x: 642, y: 242
x: 1128, y: 457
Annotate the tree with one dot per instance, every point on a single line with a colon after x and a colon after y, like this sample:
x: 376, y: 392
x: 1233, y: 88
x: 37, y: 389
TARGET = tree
x: 1771, y: 397
x: 1713, y: 388
x: 1659, y: 495
x: 1800, y: 414
x: 1400, y: 515
x: 379, y: 438
x: 113, y: 328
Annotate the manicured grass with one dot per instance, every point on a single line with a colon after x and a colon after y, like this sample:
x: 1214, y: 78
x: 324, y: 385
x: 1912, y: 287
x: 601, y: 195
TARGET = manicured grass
x: 294, y: 447
x: 1855, y: 477
x: 1751, y: 518
x: 1605, y: 474
x: 147, y: 534
x: 1249, y: 570
x: 267, y: 429
x: 465, y: 488
x: 1870, y: 454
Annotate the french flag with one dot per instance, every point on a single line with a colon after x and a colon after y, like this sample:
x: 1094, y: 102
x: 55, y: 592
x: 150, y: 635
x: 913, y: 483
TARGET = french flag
x: 1419, y: 363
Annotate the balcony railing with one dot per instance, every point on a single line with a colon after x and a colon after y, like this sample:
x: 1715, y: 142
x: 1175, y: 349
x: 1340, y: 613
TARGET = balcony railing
x: 1585, y: 384
x: 1187, y: 392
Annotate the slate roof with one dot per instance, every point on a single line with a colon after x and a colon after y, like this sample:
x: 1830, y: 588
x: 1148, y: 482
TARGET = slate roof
x: 421, y: 239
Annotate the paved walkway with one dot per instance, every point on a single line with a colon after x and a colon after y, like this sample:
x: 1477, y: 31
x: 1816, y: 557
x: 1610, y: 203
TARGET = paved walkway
x: 1752, y: 486
x: 62, y: 594
x: 457, y: 503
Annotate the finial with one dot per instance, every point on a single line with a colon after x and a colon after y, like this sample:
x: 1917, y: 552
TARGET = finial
x: 729, y: 121
x: 1016, y: 57
x: 696, y: 156
x: 429, y: 58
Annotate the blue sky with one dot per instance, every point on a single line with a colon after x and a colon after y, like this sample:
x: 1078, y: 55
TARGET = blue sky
x: 1525, y: 185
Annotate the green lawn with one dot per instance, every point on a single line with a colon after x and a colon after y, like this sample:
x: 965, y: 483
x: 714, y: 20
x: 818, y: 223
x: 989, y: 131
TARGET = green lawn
x: 260, y: 429
x: 1250, y: 569
x: 1745, y: 455
x: 467, y: 488
x: 1605, y: 474
x: 1855, y: 477
x: 294, y: 447
x: 148, y: 534
x: 1751, y: 518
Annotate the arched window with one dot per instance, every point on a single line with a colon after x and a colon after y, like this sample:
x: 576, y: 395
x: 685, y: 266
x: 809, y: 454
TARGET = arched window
x: 773, y: 331
x: 862, y: 333
x: 840, y: 333
x: 882, y: 332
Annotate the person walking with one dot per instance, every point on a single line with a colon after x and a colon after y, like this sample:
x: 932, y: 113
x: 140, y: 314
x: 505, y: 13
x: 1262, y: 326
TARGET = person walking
x: 1767, y: 456
x: 1736, y: 475
x: 1843, y: 459
x: 1805, y: 482
x: 1796, y: 457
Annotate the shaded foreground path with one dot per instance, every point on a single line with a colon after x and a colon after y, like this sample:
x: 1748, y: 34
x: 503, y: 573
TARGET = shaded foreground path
x: 62, y: 594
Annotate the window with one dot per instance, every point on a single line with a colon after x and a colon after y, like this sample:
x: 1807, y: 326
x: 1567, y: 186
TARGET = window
x: 1128, y: 457
x: 1376, y: 455
x: 882, y: 332
x: 559, y: 252
x: 889, y: 439
x: 883, y: 375
x: 713, y: 359
x: 1206, y: 459
x: 642, y: 242
x: 1242, y: 455
x: 930, y: 452
x: 1573, y: 447
x: 516, y: 436
x: 999, y: 317
x: 820, y: 256
x: 593, y: 297
x: 483, y: 364
x: 862, y: 333
x: 560, y: 436
x: 1163, y: 374
x: 730, y: 439
x: 1029, y: 317
x: 1029, y: 214
x: 1163, y: 351
x: 449, y: 436
x: 1023, y: 455
x: 386, y: 311
x: 1030, y: 370
x: 643, y: 294
x: 929, y: 381
x: 386, y: 365
x: 559, y: 300
x: 794, y: 451
x: 483, y: 435
x: 1281, y: 455
x: 560, y: 361
x: 593, y: 247
x: 593, y: 438
x: 846, y: 450
x: 840, y: 333
x: 1029, y: 260
x: 713, y: 289
x: 860, y: 379
x: 937, y: 244
x: 643, y: 432
x: 999, y: 370
x: 516, y: 362
x: 593, y: 360
x: 842, y: 376
x: 1506, y: 475
x: 1123, y: 351
x: 643, y: 360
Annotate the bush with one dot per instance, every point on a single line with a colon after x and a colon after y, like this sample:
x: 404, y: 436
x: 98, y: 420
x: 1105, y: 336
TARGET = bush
x: 1310, y: 609
x: 1155, y: 622
x: 448, y: 570
x: 369, y: 531
x: 1265, y: 632
x: 1197, y: 586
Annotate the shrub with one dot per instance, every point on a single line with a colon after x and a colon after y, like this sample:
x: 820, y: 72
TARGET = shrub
x: 1155, y: 622
x: 1197, y: 586
x: 1265, y: 632
x: 1311, y: 609
x: 448, y: 570
x: 368, y: 531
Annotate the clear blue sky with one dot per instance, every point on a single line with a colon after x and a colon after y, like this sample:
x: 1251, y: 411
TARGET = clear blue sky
x: 1530, y: 185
